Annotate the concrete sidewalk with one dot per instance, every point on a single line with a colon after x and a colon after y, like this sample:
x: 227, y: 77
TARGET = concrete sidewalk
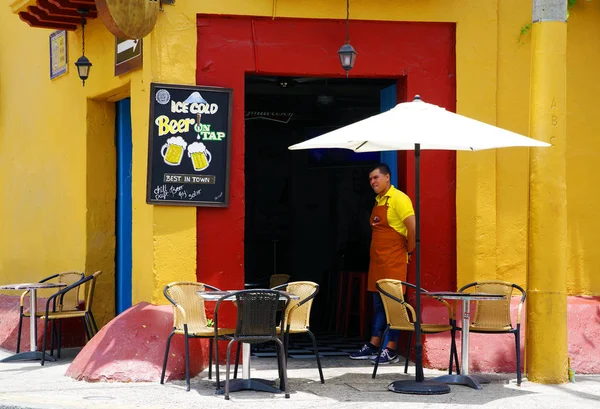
x: 348, y: 384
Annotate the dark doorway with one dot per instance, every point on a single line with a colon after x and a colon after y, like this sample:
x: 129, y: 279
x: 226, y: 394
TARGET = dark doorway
x: 306, y: 211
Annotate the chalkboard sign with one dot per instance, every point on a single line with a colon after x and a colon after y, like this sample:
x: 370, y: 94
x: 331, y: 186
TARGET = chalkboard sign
x: 189, y: 145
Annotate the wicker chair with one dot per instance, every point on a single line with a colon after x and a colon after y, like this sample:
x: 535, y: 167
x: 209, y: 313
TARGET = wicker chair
x: 493, y: 317
x: 189, y: 320
x: 397, y: 313
x: 256, y: 323
x: 70, y: 300
x: 297, y: 314
x: 55, y: 311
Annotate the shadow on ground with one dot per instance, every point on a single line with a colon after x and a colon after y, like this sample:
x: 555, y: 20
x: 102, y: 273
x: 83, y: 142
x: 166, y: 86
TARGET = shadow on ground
x: 350, y: 381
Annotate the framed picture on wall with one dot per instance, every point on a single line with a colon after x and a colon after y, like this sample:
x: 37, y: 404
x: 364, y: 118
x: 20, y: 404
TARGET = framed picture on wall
x: 59, y: 61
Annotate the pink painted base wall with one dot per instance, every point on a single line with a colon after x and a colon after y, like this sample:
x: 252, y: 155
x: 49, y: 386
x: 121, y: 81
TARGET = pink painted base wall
x: 496, y: 353
x: 72, y: 330
x: 583, y: 324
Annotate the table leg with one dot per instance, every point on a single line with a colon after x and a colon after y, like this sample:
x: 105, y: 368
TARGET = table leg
x: 33, y: 353
x: 474, y: 381
x: 33, y: 320
x: 248, y: 383
x: 464, y: 346
x: 246, y: 361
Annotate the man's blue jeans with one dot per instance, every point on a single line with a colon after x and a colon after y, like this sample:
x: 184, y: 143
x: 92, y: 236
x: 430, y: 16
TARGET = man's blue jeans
x: 380, y: 322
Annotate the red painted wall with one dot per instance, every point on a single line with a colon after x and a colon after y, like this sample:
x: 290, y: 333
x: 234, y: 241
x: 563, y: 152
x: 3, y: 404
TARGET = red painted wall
x: 423, y: 53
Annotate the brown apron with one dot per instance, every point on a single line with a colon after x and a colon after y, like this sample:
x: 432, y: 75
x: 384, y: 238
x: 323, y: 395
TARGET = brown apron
x: 388, y: 249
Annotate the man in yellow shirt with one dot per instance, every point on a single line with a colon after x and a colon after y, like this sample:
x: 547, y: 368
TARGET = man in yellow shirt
x: 392, y: 242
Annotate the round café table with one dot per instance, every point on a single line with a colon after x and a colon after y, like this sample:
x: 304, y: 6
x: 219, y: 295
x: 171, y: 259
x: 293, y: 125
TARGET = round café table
x: 33, y: 353
x: 474, y: 381
x: 246, y: 383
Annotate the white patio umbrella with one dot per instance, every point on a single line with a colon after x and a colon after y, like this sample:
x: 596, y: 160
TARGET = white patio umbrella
x: 418, y: 123
x: 415, y: 126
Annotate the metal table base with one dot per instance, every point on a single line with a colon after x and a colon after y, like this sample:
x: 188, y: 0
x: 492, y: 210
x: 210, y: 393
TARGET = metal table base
x: 254, y: 384
x: 28, y: 356
x: 474, y: 381
x: 248, y: 383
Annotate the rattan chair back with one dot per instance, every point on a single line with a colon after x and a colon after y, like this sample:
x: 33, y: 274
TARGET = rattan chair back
x: 257, y: 314
x: 91, y: 288
x: 297, y: 314
x: 396, y: 309
x: 188, y: 306
x: 493, y: 315
x: 70, y: 301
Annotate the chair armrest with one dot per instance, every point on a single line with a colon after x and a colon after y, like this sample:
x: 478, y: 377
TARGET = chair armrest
x: 302, y: 302
x: 210, y: 287
x: 523, y: 296
x: 293, y: 308
x: 48, y: 278
x: 216, y: 314
x: 21, y: 301
x: 519, y: 311
x: 413, y: 315
x: 410, y: 285
x: 182, y: 311
x: 310, y: 297
x: 464, y: 287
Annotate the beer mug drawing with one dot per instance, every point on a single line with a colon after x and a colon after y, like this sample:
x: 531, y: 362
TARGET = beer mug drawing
x: 201, y: 157
x: 172, y: 151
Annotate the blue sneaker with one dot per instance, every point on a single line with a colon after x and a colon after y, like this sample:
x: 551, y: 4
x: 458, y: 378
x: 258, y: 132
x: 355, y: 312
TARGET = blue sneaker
x: 387, y: 357
x: 366, y: 352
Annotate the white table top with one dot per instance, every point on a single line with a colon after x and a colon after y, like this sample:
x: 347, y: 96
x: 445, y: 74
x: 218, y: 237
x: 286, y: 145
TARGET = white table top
x: 450, y: 295
x: 30, y: 286
x: 216, y: 295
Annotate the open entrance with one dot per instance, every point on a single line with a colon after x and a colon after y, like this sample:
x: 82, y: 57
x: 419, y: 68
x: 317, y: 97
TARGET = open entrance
x: 307, y: 212
x: 420, y: 54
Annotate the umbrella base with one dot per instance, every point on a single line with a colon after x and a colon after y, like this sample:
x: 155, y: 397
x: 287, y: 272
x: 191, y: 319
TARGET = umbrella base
x: 419, y: 388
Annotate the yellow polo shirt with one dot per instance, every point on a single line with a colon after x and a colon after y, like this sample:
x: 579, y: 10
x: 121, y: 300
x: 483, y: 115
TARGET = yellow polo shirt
x: 399, y: 208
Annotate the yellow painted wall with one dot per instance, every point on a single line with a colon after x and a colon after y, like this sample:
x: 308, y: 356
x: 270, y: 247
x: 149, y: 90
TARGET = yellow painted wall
x: 42, y: 160
x: 58, y: 161
x: 57, y: 194
x: 583, y: 149
x: 583, y: 153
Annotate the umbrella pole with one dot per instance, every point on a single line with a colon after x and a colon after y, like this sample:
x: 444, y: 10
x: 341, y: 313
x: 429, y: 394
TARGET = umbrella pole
x: 418, y: 346
x: 418, y: 386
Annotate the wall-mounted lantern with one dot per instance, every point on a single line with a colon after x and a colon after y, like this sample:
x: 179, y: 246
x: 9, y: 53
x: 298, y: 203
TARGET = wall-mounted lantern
x: 347, y: 53
x: 83, y: 64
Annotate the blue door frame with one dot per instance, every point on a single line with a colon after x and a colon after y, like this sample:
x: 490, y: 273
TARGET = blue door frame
x: 123, y: 206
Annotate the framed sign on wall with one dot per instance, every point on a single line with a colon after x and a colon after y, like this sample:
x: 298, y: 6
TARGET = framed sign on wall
x: 58, y: 54
x: 128, y: 55
x: 189, y: 145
